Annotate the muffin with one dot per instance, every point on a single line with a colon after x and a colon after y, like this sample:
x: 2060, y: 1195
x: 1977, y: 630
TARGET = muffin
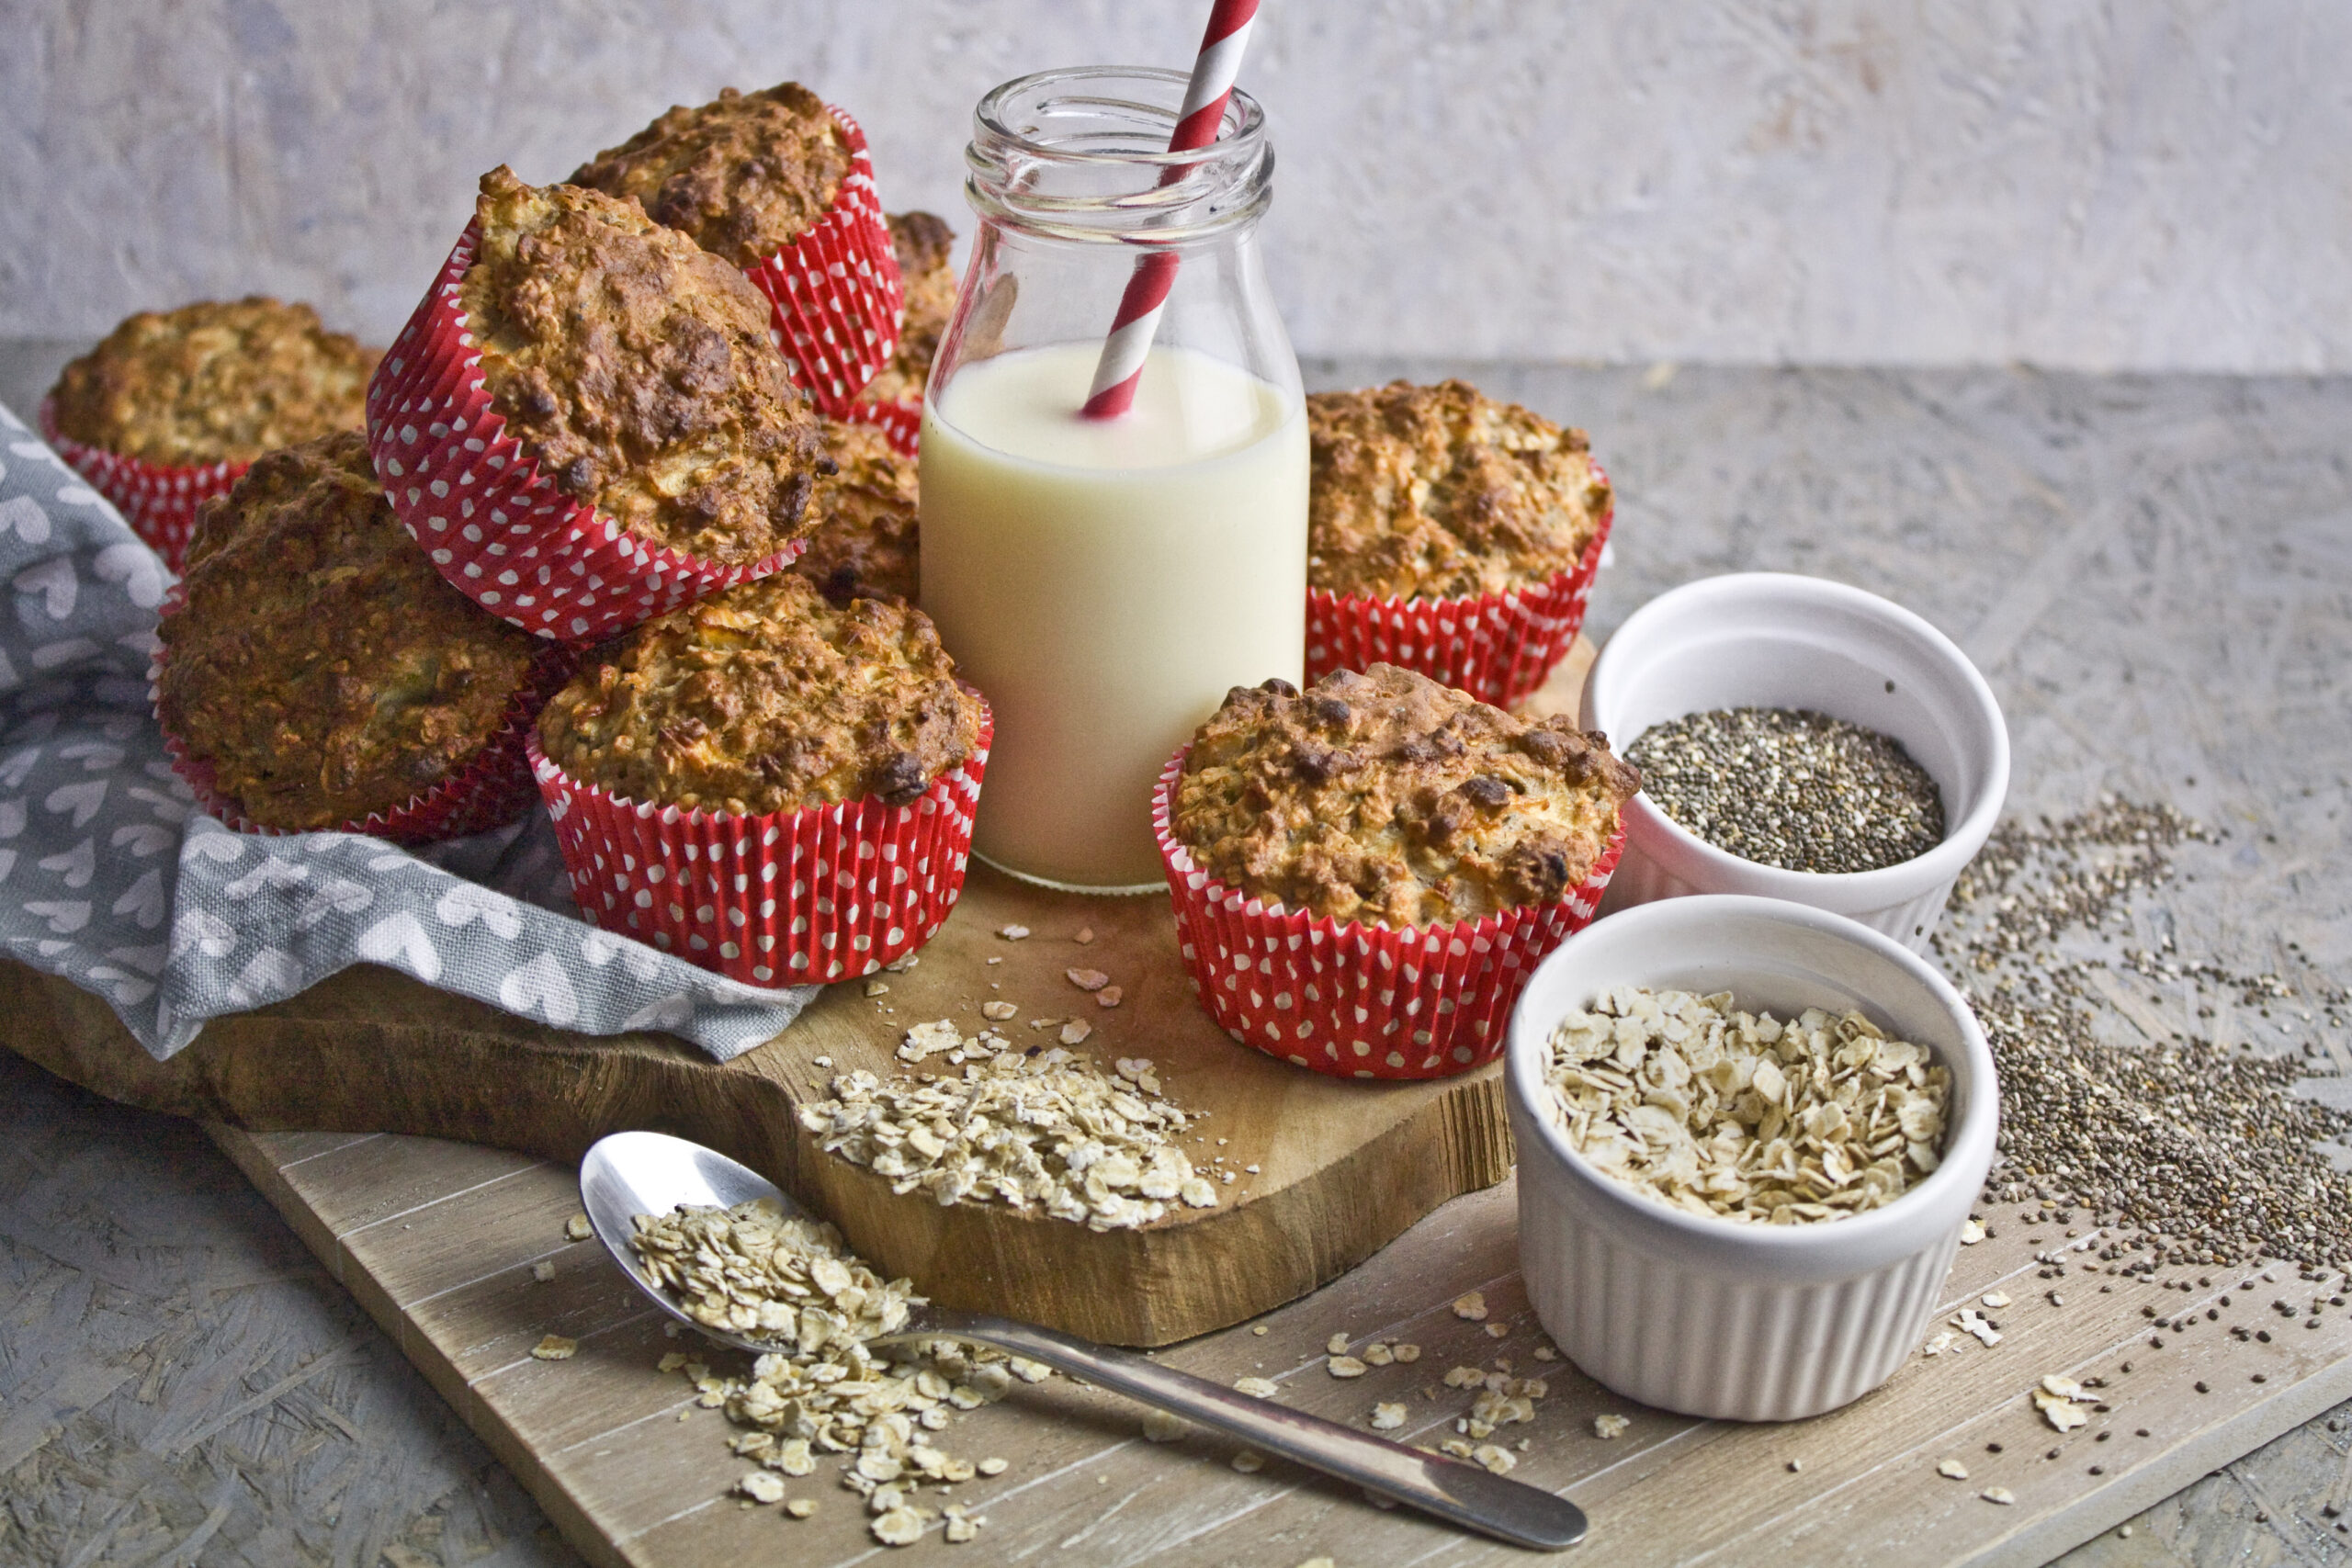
x: 1434, y: 493
x: 925, y: 247
x: 1448, y: 532
x: 648, y: 448
x: 321, y: 673
x: 742, y: 176
x: 209, y: 387
x: 214, y: 383
x: 778, y: 184
x: 769, y: 784
x: 634, y: 369
x: 766, y: 698
x: 866, y: 538
x: 1366, y: 872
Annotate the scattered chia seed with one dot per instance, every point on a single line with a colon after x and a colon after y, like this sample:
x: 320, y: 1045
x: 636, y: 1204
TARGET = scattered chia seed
x: 2192, y: 1153
x: 1791, y: 788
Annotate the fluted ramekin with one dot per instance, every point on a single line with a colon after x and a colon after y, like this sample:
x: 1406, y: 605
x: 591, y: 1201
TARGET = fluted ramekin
x: 1774, y: 639
x: 1714, y: 1317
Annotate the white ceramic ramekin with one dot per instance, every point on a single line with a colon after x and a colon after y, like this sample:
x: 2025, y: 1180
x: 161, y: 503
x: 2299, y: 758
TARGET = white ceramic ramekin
x: 1713, y: 1317
x: 1771, y: 640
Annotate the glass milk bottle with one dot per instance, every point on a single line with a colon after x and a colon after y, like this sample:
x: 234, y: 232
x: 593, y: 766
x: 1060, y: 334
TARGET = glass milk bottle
x: 1105, y: 581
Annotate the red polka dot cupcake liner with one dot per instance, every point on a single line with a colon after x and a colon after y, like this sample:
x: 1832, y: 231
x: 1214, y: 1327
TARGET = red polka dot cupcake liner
x: 900, y: 420
x: 497, y: 528
x: 1355, y: 1000
x: 834, y: 294
x: 1498, y: 646
x: 777, y: 898
x: 493, y: 788
x: 158, y: 500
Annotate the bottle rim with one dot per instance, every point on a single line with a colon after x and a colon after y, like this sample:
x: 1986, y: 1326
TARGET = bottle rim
x: 1106, y: 175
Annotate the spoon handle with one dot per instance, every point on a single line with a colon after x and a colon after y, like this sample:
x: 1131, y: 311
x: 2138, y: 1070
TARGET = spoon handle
x: 1466, y: 1494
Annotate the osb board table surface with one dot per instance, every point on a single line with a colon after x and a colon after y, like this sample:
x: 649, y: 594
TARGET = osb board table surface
x: 2152, y: 572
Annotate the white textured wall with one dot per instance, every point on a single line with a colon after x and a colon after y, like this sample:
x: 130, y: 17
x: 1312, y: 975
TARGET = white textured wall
x: 2137, y: 184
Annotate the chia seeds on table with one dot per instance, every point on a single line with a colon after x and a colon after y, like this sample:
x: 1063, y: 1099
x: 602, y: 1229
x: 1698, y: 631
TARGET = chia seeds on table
x: 1791, y: 788
x: 2185, y: 1151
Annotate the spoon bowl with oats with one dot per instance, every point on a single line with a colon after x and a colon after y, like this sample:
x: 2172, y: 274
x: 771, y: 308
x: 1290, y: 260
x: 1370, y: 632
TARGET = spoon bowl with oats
x: 721, y: 1249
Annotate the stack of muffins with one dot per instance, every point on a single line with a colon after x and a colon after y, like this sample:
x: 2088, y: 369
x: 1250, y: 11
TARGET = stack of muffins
x: 1366, y: 872
x: 580, y: 477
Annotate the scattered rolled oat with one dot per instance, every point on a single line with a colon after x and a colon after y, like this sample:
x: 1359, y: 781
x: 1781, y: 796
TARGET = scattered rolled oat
x: 1498, y: 1330
x: 1738, y: 1115
x: 1052, y: 1130
x: 801, y: 1508
x: 1611, y: 1426
x: 992, y: 1466
x: 1109, y: 996
x: 1545, y: 1353
x: 761, y: 1486
x: 577, y: 1228
x: 1249, y: 1462
x: 999, y: 1010
x: 542, y: 1272
x: 1088, y: 980
x: 1257, y: 1388
x: 1499, y: 1459
x: 1953, y: 1469
x: 1336, y: 1346
x: 1387, y: 1417
x: 554, y: 1347
x: 1159, y: 1426
x: 897, y: 1527
x: 1943, y: 1340
x: 1345, y: 1367
x: 877, y: 987
x: 1137, y: 1071
x: 1085, y: 935
x: 1996, y: 1300
x: 1013, y: 933
x: 2055, y: 1399
x: 2000, y: 1495
x: 1968, y: 1320
x: 961, y: 1528
x: 1471, y: 1305
x: 1971, y: 1232
x: 1377, y: 1354
x: 1410, y: 1352
x: 1075, y: 1032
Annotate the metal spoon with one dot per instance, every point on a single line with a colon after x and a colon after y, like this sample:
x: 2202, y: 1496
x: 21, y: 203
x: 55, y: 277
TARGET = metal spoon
x: 630, y: 1174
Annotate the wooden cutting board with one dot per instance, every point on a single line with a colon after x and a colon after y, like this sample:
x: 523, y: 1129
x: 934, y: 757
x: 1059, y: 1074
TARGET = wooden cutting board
x: 1327, y: 1170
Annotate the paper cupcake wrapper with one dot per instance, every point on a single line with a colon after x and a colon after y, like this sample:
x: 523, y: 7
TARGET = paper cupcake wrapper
x: 1498, y: 646
x: 1355, y: 1000
x: 899, y: 420
x: 834, y: 294
x: 158, y: 500
x: 492, y: 789
x: 504, y: 534
x: 777, y: 898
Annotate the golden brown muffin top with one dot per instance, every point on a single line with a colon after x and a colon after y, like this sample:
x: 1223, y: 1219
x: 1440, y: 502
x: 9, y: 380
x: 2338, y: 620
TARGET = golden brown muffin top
x: 214, y: 383
x: 742, y: 176
x: 925, y: 246
x: 866, y: 536
x: 322, y: 665
x: 1440, y: 491
x: 766, y: 698
x: 635, y: 367
x: 1389, y: 799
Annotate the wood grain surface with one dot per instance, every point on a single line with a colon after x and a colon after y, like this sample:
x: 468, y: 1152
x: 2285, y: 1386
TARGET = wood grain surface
x: 2153, y: 573
x: 439, y: 1242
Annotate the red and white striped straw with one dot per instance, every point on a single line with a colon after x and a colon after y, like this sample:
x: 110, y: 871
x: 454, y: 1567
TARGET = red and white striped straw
x: 1120, y: 367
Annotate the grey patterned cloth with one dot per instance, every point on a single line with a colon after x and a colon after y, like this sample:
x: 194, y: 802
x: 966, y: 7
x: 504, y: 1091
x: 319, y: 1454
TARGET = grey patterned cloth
x: 110, y: 876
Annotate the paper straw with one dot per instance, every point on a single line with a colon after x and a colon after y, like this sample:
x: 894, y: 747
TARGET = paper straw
x: 1120, y: 367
